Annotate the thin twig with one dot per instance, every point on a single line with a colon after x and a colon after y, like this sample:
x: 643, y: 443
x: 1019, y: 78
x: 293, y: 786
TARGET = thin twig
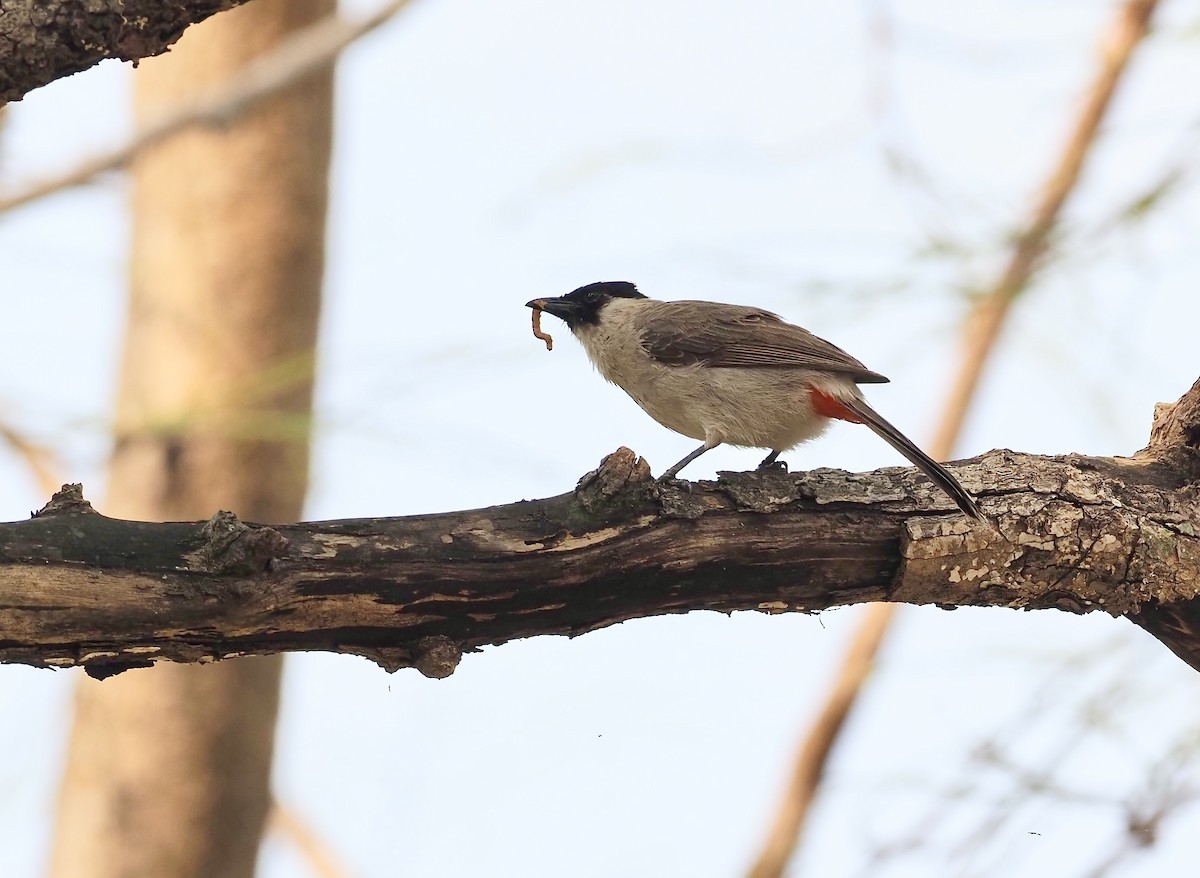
x: 980, y: 333
x: 307, y: 52
x: 1003, y: 756
x: 320, y: 858
x: 42, y: 461
x: 990, y: 311
x: 810, y: 761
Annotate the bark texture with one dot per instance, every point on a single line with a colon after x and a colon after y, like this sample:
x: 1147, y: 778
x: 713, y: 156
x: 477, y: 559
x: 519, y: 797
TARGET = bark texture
x: 1175, y: 439
x: 168, y: 770
x: 1075, y: 533
x: 45, y: 40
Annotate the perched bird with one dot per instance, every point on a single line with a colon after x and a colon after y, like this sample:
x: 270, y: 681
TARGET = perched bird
x: 729, y: 374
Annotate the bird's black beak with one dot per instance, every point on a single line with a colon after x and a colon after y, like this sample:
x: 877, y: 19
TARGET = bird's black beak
x: 563, y: 309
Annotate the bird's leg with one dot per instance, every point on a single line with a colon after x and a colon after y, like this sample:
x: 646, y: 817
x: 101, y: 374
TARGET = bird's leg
x: 771, y: 462
x: 674, y: 471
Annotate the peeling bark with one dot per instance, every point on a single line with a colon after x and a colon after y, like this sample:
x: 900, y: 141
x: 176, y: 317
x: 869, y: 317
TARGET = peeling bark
x: 1074, y: 533
x: 45, y: 40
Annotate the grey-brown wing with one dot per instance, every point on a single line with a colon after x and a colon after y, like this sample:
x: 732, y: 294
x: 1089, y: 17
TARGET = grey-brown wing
x: 729, y: 336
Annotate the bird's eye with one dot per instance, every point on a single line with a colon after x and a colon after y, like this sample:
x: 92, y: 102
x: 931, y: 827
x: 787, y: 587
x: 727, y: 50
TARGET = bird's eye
x: 593, y: 297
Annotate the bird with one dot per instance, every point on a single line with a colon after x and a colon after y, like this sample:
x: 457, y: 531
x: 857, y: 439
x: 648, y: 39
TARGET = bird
x: 729, y: 375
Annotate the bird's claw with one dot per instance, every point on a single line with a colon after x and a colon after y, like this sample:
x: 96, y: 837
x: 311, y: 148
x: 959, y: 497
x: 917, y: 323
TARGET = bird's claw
x: 675, y: 482
x: 773, y: 466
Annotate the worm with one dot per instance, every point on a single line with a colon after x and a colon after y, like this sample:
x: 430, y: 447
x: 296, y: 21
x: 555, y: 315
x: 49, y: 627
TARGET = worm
x: 537, y: 329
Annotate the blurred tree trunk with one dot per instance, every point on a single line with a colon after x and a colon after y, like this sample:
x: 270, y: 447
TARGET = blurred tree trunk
x: 168, y: 769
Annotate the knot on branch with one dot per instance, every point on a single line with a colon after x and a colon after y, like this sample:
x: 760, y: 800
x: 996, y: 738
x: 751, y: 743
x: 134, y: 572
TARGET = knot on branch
x: 68, y: 500
x: 617, y: 474
x: 232, y: 547
x: 437, y: 656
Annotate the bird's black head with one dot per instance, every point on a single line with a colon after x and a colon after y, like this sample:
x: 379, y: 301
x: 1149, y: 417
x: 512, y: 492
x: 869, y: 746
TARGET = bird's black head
x: 583, y: 306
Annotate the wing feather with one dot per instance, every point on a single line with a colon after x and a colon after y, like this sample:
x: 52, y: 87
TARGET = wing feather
x: 732, y: 336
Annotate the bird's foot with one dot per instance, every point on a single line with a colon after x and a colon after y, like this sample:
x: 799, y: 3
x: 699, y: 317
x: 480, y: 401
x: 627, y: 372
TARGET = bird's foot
x: 771, y: 464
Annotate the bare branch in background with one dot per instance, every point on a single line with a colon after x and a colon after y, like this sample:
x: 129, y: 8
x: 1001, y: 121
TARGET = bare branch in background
x: 1167, y: 789
x: 809, y: 767
x: 990, y: 311
x: 980, y: 333
x: 968, y: 827
x: 315, y: 851
x: 305, y: 53
x: 42, y: 461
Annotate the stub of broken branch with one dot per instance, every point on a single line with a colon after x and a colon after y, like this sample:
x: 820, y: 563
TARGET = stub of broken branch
x: 231, y: 547
x: 618, y: 472
x: 66, y: 501
x: 1177, y: 425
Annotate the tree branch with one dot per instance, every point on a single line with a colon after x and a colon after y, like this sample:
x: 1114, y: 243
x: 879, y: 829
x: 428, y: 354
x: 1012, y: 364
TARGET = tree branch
x: 1076, y: 533
x: 45, y: 40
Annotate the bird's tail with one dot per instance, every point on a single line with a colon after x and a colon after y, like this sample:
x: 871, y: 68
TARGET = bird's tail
x: 922, y: 461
